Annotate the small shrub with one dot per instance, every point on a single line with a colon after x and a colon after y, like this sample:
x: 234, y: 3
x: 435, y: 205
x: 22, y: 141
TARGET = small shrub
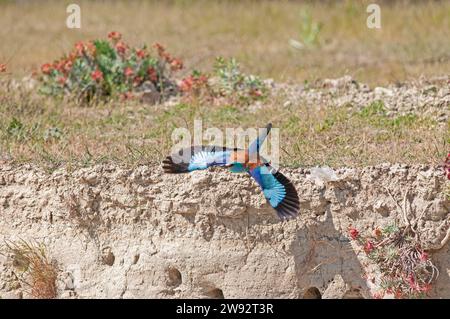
x: 52, y: 133
x: 35, y: 269
x: 196, y: 87
x: 309, y: 29
x: 102, y: 69
x: 15, y: 128
x: 376, y: 108
x: 227, y: 82
x: 309, y: 32
x: 406, y: 269
x: 376, y: 115
x: 233, y: 83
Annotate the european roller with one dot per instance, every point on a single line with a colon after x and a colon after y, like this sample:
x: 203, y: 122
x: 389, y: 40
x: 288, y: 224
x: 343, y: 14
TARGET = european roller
x: 278, y: 190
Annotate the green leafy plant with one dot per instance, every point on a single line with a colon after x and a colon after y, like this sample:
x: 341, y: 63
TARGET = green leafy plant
x: 52, y: 133
x: 309, y: 29
x: 232, y: 82
x: 376, y: 108
x: 405, y: 267
x: 102, y: 69
x: 15, y: 127
x: 227, y: 82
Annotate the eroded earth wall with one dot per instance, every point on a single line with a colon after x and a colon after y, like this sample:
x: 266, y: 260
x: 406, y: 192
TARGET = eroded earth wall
x: 118, y: 232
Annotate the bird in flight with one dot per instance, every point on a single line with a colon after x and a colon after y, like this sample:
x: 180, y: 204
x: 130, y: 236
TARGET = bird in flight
x: 277, y: 188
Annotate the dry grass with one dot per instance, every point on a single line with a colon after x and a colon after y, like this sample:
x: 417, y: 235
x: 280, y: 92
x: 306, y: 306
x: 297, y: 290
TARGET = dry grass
x: 414, y: 39
x: 52, y: 133
x: 35, y: 271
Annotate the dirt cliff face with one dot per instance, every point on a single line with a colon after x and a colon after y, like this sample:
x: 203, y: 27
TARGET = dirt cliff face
x: 137, y: 233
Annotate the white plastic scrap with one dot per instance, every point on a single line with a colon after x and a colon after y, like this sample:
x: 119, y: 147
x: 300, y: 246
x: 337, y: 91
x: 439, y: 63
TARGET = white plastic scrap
x: 322, y: 175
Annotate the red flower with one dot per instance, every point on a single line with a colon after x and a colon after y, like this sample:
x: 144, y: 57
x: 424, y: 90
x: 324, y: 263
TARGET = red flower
x: 127, y: 95
x: 176, y: 64
x: 97, y: 75
x: 114, y: 36
x: 152, y: 74
x: 424, y: 256
x: 398, y: 294
x: 193, y: 82
x: 90, y: 46
x: 187, y: 83
x: 141, y: 54
x: 412, y: 282
x: 203, y: 79
x: 425, y: 288
x: 68, y: 65
x: 354, y: 233
x: 167, y: 57
x: 159, y: 48
x: 79, y: 48
x: 72, y: 56
x: 46, y: 68
x: 447, y: 166
x: 137, y: 80
x: 162, y: 53
x: 2, y: 68
x: 59, y: 65
x: 378, y: 295
x: 121, y: 47
x: 128, y: 72
x: 62, y: 80
x: 368, y: 247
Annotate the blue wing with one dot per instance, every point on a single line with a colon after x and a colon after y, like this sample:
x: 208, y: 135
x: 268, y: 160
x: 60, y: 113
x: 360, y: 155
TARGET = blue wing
x: 256, y: 145
x: 196, y: 158
x: 278, y: 190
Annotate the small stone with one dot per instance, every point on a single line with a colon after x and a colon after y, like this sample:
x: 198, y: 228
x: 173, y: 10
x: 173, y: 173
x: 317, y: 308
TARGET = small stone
x: 150, y: 98
x: 383, y: 91
x: 90, y: 179
x: 287, y: 104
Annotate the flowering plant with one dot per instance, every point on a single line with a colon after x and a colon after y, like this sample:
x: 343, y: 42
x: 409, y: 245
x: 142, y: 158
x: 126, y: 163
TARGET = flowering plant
x: 109, y: 68
x: 233, y: 83
x: 406, y: 269
x: 226, y: 82
x: 196, y: 87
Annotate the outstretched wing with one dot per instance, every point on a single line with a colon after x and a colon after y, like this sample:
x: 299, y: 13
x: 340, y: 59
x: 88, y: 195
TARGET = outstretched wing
x: 278, y: 190
x: 196, y: 158
x: 256, y: 144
